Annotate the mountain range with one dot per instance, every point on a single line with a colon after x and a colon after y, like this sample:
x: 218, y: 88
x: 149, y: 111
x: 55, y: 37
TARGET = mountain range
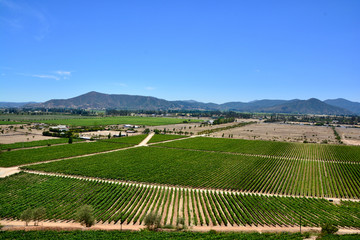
x: 96, y: 100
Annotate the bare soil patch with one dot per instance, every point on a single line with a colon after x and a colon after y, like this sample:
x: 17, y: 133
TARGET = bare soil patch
x: 281, y: 132
x: 349, y: 135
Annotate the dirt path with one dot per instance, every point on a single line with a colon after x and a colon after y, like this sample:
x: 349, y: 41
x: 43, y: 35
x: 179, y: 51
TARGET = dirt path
x: 4, y: 172
x: 19, y: 225
x: 147, y: 139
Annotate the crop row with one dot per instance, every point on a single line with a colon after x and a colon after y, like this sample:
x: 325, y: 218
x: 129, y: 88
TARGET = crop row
x: 270, y: 148
x: 157, y: 235
x: 14, y: 158
x: 129, y: 204
x: 218, y: 171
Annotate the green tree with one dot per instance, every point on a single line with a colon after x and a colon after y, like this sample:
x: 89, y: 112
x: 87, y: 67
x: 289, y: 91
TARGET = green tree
x: 328, y: 228
x: 85, y: 215
x: 152, y: 221
x: 38, y: 215
x: 26, y: 216
x: 70, y: 140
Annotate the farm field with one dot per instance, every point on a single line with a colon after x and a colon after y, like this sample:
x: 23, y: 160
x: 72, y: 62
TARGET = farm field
x: 104, y: 121
x: 9, y: 123
x: 30, y: 118
x: 160, y: 138
x: 281, y: 132
x: 196, y: 127
x: 324, y: 152
x: 20, y: 157
x: 36, y: 143
x: 80, y: 235
x: 217, y: 170
x: 115, y: 202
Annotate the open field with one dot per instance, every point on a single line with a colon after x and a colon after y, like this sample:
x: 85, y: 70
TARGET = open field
x: 9, y: 123
x: 195, y: 127
x: 281, y: 132
x: 323, y: 152
x: 114, y: 202
x: 20, y: 157
x: 104, y: 121
x: 349, y: 136
x: 217, y: 171
x: 40, y: 117
x: 20, y: 133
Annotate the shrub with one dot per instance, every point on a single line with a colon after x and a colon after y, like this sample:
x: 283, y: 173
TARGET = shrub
x: 328, y: 228
x: 152, y: 221
x: 85, y: 215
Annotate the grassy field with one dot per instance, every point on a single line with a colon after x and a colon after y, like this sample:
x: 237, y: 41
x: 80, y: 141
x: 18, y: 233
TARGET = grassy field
x: 36, y: 143
x: 270, y: 148
x: 9, y: 123
x: 14, y: 158
x: 219, y: 171
x: 61, y: 197
x: 166, y: 137
x: 29, y: 118
x: 150, y: 121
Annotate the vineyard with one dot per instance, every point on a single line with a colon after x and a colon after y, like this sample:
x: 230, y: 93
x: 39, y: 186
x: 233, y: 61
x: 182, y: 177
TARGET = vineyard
x: 164, y: 137
x: 218, y: 171
x: 80, y: 235
x: 36, y: 143
x: 14, y: 158
x: 129, y: 204
x: 269, y: 148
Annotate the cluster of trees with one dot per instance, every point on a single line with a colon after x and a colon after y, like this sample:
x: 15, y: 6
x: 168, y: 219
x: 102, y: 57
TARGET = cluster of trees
x: 35, y: 215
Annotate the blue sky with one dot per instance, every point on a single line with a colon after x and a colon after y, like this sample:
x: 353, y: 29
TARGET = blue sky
x: 211, y: 51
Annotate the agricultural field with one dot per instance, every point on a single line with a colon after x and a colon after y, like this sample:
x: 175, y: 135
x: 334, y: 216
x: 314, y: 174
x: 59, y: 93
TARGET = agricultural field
x: 36, y: 143
x: 80, y: 235
x: 26, y: 156
x: 127, y: 203
x: 164, y: 137
x: 196, y: 127
x: 217, y: 171
x: 281, y: 132
x: 9, y: 123
x: 104, y: 121
x: 39, y: 117
x: 205, y: 181
x: 323, y: 152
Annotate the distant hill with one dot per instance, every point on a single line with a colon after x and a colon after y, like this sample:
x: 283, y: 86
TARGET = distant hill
x: 14, y: 104
x: 95, y: 100
x: 343, y: 103
x: 310, y: 106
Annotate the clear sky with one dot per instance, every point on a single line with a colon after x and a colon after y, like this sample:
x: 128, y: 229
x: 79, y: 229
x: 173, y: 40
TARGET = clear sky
x: 211, y: 51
